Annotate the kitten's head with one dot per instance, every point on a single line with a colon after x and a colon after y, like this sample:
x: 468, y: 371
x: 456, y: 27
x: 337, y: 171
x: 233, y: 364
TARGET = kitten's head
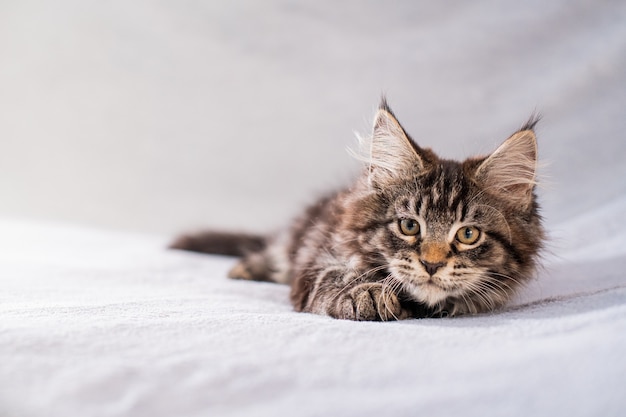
x: 455, y: 236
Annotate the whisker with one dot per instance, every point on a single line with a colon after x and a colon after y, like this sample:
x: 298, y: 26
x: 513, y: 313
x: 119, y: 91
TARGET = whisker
x: 358, y: 277
x: 382, y: 296
x: 480, y: 293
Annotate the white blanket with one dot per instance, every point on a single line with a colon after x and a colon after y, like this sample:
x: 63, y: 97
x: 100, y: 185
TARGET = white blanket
x: 111, y: 324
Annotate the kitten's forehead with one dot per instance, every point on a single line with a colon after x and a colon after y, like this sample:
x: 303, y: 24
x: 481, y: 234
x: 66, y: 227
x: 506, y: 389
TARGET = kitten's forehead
x: 440, y: 197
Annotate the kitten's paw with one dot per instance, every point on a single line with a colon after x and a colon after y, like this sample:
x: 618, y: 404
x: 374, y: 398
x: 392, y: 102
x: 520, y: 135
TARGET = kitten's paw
x: 370, y: 302
x: 241, y: 271
x: 254, y: 267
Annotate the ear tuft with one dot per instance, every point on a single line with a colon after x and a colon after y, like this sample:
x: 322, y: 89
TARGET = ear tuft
x: 531, y: 122
x: 391, y: 152
x: 511, y: 170
x: 385, y: 106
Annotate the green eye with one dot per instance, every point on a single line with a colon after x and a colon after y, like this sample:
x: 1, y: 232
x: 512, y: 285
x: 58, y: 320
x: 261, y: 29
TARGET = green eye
x: 468, y: 235
x: 409, y: 227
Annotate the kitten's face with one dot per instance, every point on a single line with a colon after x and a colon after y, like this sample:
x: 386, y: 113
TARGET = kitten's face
x: 452, y: 246
x: 459, y: 237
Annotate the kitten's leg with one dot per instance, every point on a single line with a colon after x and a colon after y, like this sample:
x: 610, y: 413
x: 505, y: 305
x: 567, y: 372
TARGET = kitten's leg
x: 344, y: 295
x: 254, y: 267
x: 270, y: 264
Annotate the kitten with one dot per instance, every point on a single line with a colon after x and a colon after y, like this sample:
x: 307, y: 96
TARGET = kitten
x: 414, y: 236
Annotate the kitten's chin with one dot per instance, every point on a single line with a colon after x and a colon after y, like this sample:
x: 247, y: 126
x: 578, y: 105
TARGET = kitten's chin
x: 422, y: 289
x: 429, y: 293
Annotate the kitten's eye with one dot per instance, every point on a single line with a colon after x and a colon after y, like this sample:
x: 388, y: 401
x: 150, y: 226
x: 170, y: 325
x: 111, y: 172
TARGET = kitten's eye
x: 409, y: 227
x: 468, y: 235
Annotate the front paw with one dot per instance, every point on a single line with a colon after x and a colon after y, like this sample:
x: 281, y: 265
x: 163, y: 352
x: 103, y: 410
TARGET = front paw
x: 370, y: 302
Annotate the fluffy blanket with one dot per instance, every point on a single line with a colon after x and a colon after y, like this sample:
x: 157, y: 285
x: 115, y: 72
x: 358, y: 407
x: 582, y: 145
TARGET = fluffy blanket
x: 112, y: 324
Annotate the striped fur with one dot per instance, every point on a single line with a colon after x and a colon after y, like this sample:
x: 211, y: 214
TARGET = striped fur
x: 348, y: 258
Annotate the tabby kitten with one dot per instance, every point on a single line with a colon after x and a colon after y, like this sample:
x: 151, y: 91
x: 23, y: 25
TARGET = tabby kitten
x: 414, y: 236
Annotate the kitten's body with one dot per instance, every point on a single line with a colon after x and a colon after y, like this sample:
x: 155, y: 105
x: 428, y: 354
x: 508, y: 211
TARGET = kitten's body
x: 414, y: 236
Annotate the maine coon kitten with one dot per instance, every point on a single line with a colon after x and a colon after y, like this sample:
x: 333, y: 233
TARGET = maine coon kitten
x: 414, y: 236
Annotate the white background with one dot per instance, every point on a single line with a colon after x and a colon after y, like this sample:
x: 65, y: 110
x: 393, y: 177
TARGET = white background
x: 158, y: 116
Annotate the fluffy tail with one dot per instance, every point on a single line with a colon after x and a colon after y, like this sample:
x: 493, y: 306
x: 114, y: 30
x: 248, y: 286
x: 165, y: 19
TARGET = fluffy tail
x: 231, y: 244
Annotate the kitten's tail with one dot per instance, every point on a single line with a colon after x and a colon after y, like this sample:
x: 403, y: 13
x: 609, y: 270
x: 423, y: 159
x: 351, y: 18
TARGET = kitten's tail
x: 220, y: 243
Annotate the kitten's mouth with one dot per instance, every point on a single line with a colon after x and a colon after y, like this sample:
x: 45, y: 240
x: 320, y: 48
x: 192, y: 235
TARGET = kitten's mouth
x: 425, y: 288
x: 431, y: 283
x: 431, y: 291
x: 433, y: 287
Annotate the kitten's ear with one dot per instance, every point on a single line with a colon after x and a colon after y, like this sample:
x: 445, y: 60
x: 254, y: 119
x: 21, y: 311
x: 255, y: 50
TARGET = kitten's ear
x: 510, y: 171
x: 391, y: 151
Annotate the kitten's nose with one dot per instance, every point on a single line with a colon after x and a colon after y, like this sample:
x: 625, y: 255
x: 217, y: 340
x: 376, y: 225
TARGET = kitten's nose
x: 432, y: 268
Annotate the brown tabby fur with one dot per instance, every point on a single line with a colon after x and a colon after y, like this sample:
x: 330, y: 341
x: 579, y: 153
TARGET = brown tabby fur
x: 348, y: 258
